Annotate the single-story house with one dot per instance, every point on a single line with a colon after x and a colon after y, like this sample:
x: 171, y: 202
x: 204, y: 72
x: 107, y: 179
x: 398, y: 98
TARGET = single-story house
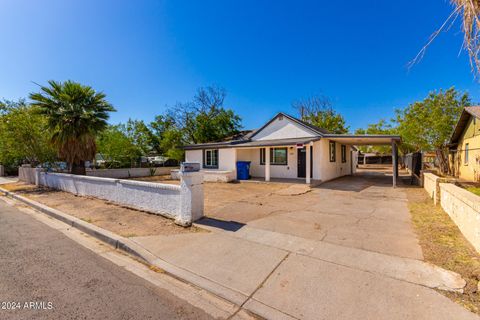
x: 285, y: 147
x: 465, y: 145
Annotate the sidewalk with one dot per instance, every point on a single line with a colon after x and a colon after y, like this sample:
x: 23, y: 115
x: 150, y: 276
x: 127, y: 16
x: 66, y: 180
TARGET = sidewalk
x: 283, y: 276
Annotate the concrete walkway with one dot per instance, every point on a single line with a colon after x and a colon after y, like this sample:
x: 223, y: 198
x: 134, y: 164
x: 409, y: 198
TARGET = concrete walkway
x: 344, y: 250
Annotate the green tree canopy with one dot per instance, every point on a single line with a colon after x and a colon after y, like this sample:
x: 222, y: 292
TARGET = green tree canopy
x: 427, y: 125
x: 75, y: 115
x: 318, y: 111
x: 22, y: 135
x: 116, y: 148
x: 142, y: 136
x: 204, y: 119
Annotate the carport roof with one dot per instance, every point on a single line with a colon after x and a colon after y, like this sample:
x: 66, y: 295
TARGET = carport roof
x: 365, y: 139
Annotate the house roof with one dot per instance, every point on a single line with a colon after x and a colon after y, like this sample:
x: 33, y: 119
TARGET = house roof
x: 467, y: 112
x: 316, y: 130
x: 250, y: 144
x: 244, y: 138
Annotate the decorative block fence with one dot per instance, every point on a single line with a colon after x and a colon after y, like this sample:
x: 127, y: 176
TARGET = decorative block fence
x: 431, y: 184
x: 464, y: 209
x: 461, y: 205
x: 184, y: 202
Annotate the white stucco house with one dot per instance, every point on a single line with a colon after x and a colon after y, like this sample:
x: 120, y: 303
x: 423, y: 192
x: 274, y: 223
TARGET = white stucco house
x: 285, y: 147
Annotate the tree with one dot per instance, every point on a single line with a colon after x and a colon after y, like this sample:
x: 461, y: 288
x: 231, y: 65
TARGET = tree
x: 427, y: 125
x: 75, y: 114
x: 22, y: 135
x: 142, y: 136
x: 318, y: 111
x: 204, y: 119
x: 116, y: 148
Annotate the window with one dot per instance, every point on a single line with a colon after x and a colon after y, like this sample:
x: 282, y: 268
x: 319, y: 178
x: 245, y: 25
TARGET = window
x: 278, y: 156
x: 210, y: 158
x: 332, y: 151
x: 344, y: 153
x: 466, y: 153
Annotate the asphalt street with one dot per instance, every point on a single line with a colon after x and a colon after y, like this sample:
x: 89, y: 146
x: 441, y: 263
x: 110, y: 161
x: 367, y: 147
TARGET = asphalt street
x: 45, y: 275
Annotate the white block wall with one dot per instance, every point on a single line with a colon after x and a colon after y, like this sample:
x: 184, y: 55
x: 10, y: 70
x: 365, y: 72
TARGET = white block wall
x: 164, y: 199
x: 464, y: 209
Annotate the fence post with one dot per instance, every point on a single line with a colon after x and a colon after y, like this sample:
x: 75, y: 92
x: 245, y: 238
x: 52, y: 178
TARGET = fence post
x: 37, y: 175
x: 2, y: 171
x: 191, y: 197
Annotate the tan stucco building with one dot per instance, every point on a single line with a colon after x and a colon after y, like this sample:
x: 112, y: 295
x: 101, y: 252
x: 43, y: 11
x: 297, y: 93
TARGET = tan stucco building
x: 465, y: 145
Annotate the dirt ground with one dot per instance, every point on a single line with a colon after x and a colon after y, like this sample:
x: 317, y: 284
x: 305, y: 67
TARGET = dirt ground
x: 444, y: 245
x: 161, y: 179
x: 120, y: 220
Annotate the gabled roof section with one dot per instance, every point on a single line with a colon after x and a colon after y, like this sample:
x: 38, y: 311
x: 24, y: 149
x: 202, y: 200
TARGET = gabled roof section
x: 467, y: 112
x: 314, y: 129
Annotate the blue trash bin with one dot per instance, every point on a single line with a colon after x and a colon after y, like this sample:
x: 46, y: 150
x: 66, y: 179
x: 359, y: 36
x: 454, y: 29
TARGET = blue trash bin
x: 243, y: 170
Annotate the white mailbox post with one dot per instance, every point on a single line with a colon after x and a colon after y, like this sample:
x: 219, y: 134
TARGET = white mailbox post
x: 191, y: 194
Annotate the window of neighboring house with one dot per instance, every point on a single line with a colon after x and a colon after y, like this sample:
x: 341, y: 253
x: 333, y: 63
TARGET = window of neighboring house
x: 466, y: 153
x: 211, y: 158
x: 332, y: 151
x: 344, y: 153
x: 278, y: 156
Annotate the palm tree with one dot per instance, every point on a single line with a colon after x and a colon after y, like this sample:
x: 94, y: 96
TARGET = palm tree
x: 469, y: 13
x: 469, y: 10
x: 75, y: 115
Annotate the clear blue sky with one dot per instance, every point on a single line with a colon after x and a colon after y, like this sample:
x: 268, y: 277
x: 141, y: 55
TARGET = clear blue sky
x: 148, y: 54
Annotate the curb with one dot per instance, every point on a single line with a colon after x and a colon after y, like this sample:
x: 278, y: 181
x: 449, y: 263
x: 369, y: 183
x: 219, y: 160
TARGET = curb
x: 131, y: 247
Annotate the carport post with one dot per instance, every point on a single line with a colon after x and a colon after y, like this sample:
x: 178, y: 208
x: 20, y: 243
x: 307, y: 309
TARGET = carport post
x: 394, y: 163
x: 267, y: 164
x: 308, y: 165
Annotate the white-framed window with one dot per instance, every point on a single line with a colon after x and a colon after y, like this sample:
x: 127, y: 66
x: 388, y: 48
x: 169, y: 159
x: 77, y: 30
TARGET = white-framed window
x: 466, y: 153
x: 210, y: 158
x: 278, y: 156
x: 344, y: 153
x: 332, y: 151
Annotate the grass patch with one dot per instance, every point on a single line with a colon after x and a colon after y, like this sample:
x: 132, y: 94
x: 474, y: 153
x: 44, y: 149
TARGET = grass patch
x: 474, y: 190
x: 444, y: 245
x: 18, y: 186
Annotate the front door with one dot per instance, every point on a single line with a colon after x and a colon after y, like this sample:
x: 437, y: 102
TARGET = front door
x: 302, y: 162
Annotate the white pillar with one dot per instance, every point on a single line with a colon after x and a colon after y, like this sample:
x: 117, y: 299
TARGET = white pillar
x: 394, y: 163
x: 308, y: 168
x: 191, y: 198
x: 267, y: 164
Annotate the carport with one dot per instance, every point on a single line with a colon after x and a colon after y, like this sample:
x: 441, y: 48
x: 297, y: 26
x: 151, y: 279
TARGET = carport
x: 371, y: 140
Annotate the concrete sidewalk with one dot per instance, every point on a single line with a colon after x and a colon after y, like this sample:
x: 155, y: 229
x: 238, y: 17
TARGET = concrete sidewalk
x: 284, y: 277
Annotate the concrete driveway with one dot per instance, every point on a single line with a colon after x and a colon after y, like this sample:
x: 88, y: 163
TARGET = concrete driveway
x: 361, y: 211
x: 343, y: 250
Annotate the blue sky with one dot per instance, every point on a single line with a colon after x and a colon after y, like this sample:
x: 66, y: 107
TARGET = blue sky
x: 148, y: 54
